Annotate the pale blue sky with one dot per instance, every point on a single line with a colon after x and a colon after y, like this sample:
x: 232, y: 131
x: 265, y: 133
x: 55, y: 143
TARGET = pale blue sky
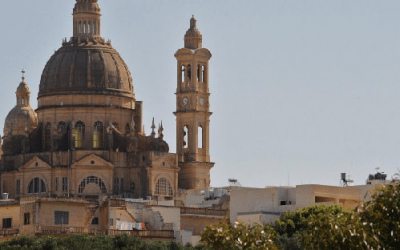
x: 309, y: 88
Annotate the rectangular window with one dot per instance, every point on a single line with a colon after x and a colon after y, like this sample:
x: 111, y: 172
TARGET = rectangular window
x: 7, y: 223
x: 57, y: 183
x: 18, y: 187
x: 95, y: 221
x: 64, y: 184
x: 122, y: 184
x: 27, y: 219
x: 111, y: 222
x: 61, y: 217
x: 116, y: 185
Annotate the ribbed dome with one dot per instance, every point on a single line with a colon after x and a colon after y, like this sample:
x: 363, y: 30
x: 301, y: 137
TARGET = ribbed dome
x: 23, y: 89
x: 19, y: 119
x: 88, y: 67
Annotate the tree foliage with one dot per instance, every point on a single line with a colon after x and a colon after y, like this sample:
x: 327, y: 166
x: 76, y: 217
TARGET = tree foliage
x: 88, y: 242
x: 238, y: 236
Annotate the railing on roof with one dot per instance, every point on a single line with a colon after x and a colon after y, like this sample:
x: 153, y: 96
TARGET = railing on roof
x: 204, y: 211
x: 145, y: 233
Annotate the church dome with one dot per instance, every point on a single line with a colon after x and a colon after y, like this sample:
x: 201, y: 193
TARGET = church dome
x: 86, y: 68
x: 86, y: 64
x: 22, y: 117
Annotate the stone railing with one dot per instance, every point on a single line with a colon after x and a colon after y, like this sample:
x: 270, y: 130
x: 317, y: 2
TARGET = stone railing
x: 145, y: 233
x: 204, y: 211
x: 8, y: 232
x: 67, y: 230
x: 117, y: 203
x: 9, y: 202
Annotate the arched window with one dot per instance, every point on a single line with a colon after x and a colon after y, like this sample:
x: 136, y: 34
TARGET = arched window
x: 189, y: 72
x: 163, y: 187
x: 23, y: 101
x: 79, y: 134
x: 116, y: 125
x: 92, y: 179
x: 61, y: 126
x: 132, y: 186
x: 198, y: 73
x: 36, y: 186
x: 95, y: 27
x: 89, y: 30
x: 200, y: 137
x: 98, y: 135
x: 183, y: 73
x: 127, y: 129
x: 47, y: 137
x: 203, y: 73
x: 185, y: 136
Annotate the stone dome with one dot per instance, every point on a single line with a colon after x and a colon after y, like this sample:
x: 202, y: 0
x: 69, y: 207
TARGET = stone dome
x: 86, y: 67
x: 19, y: 119
x: 23, y: 89
x: 22, y: 117
x: 193, y: 37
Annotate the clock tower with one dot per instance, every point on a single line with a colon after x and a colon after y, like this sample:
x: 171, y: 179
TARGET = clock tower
x: 193, y: 112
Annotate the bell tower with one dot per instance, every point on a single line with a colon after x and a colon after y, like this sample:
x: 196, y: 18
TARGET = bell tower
x: 193, y: 112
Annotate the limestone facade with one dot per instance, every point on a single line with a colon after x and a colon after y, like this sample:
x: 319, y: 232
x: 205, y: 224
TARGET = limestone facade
x: 86, y: 138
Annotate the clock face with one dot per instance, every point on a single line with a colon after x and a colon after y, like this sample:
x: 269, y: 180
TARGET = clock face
x: 201, y: 101
x: 185, y: 101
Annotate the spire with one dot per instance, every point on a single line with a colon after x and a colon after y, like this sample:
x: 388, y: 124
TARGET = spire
x: 153, y: 132
x: 160, y: 131
x: 86, y: 19
x: 193, y: 37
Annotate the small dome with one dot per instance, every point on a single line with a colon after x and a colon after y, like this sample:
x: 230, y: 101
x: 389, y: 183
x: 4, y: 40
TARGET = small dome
x: 23, y: 88
x: 193, y: 37
x: 19, y: 119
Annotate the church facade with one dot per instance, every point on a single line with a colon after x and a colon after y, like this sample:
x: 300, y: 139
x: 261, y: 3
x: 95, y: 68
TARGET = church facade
x: 86, y: 138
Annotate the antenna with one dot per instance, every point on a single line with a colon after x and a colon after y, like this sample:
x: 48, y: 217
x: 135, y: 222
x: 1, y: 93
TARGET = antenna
x: 345, y: 181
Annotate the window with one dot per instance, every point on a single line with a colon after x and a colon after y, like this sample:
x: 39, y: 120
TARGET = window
x: 122, y: 184
x: 61, y: 217
x: 183, y: 73
x: 47, y: 137
x: 64, y: 184
x: 57, y: 183
x: 127, y: 129
x: 23, y: 101
x: 7, y: 223
x: 189, y: 72
x: 116, y: 125
x: 18, y: 187
x: 61, y: 126
x: 36, y: 186
x: 111, y: 222
x: 163, y: 187
x: 98, y: 135
x: 200, y: 137
x: 95, y: 221
x: 116, y: 185
x: 185, y: 136
x: 79, y: 134
x: 27, y: 219
x: 92, y: 179
x: 132, y: 186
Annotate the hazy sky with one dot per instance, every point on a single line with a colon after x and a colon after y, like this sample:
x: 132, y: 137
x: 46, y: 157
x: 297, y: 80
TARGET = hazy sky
x: 300, y: 90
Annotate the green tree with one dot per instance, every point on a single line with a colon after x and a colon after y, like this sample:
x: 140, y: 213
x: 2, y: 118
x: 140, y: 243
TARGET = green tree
x: 238, y: 236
